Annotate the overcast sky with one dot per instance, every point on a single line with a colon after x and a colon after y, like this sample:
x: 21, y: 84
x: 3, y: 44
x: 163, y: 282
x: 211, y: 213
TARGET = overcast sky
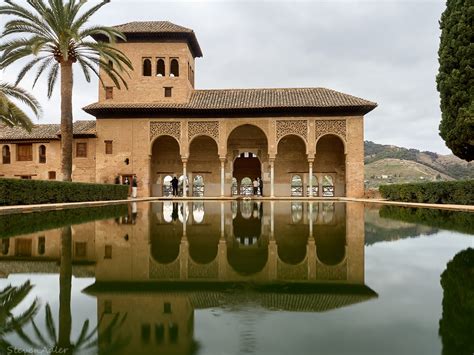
x: 383, y: 51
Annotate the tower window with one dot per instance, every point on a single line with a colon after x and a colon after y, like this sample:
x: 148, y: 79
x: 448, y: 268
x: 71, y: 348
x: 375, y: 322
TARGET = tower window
x: 168, y: 92
x: 174, y: 67
x: 146, y: 67
x: 108, y: 147
x: 160, y: 67
x: 42, y: 154
x: 6, y: 154
x: 109, y: 92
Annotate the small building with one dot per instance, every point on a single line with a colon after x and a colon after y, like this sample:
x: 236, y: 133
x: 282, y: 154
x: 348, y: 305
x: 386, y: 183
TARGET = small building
x: 299, y: 141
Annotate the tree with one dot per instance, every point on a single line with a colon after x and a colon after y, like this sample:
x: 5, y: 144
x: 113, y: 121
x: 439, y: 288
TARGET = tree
x: 10, y: 113
x: 54, y: 33
x: 455, y: 80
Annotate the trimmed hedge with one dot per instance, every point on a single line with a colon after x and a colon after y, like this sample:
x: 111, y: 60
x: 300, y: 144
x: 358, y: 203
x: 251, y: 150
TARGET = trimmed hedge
x: 445, y: 192
x: 25, y: 223
x: 27, y: 192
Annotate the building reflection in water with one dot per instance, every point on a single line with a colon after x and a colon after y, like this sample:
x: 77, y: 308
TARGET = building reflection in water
x: 163, y: 261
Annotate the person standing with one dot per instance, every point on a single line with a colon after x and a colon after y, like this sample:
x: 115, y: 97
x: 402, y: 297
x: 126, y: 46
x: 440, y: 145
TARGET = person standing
x: 174, y: 184
x: 260, y: 186
x: 255, y: 187
x: 134, y: 187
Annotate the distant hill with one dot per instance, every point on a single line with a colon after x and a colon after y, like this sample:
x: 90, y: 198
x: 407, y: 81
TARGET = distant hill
x: 391, y: 164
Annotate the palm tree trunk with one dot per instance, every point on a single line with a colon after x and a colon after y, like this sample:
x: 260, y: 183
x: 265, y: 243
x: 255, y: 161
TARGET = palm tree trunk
x: 66, y: 120
x: 65, y: 283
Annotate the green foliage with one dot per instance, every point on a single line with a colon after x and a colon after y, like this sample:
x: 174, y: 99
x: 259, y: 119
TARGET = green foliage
x: 449, y: 220
x: 11, y: 114
x: 26, y: 192
x: 446, y: 192
x: 455, y: 80
x: 456, y: 324
x: 25, y: 223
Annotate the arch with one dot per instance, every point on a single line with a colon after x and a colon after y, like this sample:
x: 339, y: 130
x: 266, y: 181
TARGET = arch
x: 237, y: 126
x: 330, y: 243
x: 183, y: 183
x: 42, y: 154
x: 201, y: 135
x: 296, y: 186
x: 167, y: 188
x: 153, y: 141
x: 204, y: 161
x: 146, y: 67
x: 295, y: 135
x: 165, y: 161
x: 330, y: 165
x: 246, y: 187
x: 174, y: 67
x: 6, y: 155
x: 341, y: 138
x: 234, y: 187
x: 160, y: 67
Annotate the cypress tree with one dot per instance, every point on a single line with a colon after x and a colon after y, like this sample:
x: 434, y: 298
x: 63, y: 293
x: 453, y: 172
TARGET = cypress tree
x: 455, y: 80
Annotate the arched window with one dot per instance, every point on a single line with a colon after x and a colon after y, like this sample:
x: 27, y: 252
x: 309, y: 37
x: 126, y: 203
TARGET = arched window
x: 328, y: 186
x: 314, y: 185
x: 198, y: 186
x: 42, y: 154
x: 41, y: 245
x: 296, y: 186
x: 183, y: 184
x: 160, y: 67
x: 146, y: 67
x: 174, y: 67
x: 6, y: 154
x: 235, y: 190
x: 246, y: 186
x: 5, y: 246
x: 167, y: 188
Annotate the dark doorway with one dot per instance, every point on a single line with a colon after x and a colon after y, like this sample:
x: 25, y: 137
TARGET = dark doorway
x: 247, y: 165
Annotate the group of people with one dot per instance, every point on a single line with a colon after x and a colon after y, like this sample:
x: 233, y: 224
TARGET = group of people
x: 258, y: 187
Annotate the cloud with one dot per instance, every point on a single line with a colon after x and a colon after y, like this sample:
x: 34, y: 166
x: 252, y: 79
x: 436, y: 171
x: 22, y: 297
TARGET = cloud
x: 384, y: 51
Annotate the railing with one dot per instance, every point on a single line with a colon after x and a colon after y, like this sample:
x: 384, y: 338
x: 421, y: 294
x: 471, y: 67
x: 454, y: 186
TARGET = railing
x: 167, y: 190
x: 198, y: 190
x: 315, y: 190
x: 297, y: 191
x: 246, y: 190
x: 328, y: 191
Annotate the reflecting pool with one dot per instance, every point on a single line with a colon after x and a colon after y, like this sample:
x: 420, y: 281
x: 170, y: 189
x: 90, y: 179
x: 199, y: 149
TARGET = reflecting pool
x: 237, y: 277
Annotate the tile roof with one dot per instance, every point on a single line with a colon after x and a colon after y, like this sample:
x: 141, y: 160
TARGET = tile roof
x: 157, y: 29
x: 45, y: 131
x: 248, y: 99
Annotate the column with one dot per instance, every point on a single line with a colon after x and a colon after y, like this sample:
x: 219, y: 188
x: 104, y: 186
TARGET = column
x: 222, y: 176
x: 310, y: 173
x: 185, y: 181
x: 272, y: 177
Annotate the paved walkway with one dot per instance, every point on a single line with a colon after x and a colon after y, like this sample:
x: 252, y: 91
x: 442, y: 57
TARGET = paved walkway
x: 59, y: 206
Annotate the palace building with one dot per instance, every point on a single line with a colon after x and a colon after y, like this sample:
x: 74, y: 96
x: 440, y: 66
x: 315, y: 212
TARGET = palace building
x: 299, y: 141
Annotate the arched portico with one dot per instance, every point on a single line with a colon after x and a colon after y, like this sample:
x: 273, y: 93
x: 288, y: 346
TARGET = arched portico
x: 165, y: 161
x: 329, y: 166
x: 204, y: 161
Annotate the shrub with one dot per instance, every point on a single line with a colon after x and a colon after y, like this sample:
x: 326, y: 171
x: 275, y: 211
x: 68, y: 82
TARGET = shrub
x: 26, y: 192
x: 445, y: 192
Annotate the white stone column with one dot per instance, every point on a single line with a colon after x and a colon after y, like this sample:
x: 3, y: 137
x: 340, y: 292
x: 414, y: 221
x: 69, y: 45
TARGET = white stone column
x: 222, y: 177
x: 185, y: 181
x: 272, y: 177
x: 310, y: 172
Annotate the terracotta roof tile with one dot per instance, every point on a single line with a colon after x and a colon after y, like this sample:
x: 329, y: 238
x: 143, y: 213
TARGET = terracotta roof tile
x: 45, y: 131
x: 152, y: 27
x: 242, y: 99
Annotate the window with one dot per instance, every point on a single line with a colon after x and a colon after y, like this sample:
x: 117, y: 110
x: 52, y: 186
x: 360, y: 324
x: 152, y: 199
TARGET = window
x: 108, y: 252
x: 296, y: 186
x: 160, y: 67
x: 109, y: 92
x: 80, y: 249
x: 24, y: 152
x: 6, y: 154
x: 108, y: 147
x: 146, y: 67
x: 5, y: 246
x: 174, y: 67
x: 328, y: 186
x: 41, y: 245
x: 198, y: 186
x: 42, y: 154
x: 23, y: 247
x: 81, y: 150
x: 168, y: 92
x: 51, y: 175
x: 314, y: 185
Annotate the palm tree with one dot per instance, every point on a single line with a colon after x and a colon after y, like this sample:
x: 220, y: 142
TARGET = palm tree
x: 10, y: 298
x: 54, y: 33
x: 10, y: 113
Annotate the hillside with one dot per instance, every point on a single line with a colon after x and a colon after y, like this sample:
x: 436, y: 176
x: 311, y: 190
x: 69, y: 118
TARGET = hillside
x: 392, y: 164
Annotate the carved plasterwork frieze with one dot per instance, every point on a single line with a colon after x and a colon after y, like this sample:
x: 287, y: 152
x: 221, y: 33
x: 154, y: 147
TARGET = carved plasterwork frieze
x: 286, y: 127
x: 172, y: 129
x: 337, y: 127
x: 206, y: 128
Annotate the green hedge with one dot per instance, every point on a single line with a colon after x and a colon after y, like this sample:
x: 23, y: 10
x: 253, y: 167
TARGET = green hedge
x: 445, y: 192
x: 25, y: 223
x: 27, y: 192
